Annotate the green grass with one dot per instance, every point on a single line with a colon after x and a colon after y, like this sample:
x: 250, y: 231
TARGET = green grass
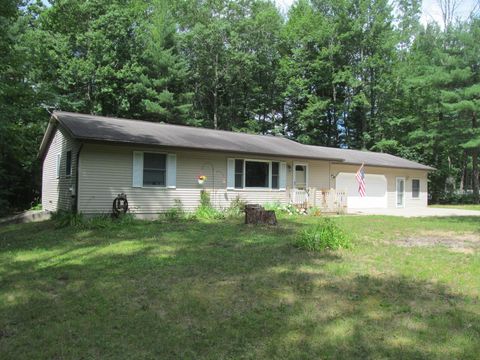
x: 459, y: 206
x: 221, y: 290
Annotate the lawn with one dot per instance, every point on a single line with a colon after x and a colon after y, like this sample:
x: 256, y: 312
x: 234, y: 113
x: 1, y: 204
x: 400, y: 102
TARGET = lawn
x: 459, y: 206
x: 409, y: 288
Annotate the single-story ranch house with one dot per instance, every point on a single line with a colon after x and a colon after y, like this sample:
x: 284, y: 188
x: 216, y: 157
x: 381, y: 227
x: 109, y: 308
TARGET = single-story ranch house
x: 88, y: 160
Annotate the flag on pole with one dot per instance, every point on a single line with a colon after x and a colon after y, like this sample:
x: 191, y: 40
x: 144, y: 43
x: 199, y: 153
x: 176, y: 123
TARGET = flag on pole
x: 360, y: 175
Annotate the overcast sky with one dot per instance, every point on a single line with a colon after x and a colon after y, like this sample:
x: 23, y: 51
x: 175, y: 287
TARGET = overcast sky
x: 430, y: 9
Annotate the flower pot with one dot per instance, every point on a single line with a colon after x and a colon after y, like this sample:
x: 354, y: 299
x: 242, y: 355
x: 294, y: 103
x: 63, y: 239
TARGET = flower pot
x: 201, y: 181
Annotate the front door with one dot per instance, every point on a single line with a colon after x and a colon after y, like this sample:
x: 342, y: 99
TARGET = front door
x: 400, y: 192
x: 300, y: 176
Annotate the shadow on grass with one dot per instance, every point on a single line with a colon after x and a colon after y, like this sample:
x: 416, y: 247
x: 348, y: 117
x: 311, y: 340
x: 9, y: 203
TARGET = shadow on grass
x: 214, y: 290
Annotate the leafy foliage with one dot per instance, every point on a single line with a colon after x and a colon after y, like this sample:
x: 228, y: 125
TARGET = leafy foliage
x: 354, y: 74
x: 325, y: 235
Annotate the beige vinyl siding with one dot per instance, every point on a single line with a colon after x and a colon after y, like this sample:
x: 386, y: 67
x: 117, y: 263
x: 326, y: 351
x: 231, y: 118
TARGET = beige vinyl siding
x: 391, y: 174
x: 57, y: 192
x: 106, y: 171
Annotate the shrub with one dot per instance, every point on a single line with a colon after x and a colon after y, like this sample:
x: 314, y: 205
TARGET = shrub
x: 205, y: 199
x: 275, y: 206
x: 63, y: 219
x: 206, y: 210
x: 236, y: 208
x: 453, y: 199
x: 176, y: 212
x: 325, y: 235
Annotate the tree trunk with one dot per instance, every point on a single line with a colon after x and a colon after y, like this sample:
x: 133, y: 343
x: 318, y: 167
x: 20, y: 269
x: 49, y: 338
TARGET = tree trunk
x: 475, y: 183
x: 463, y: 178
x: 215, y: 95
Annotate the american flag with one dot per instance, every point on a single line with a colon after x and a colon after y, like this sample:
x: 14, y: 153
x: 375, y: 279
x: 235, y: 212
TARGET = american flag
x: 360, y: 175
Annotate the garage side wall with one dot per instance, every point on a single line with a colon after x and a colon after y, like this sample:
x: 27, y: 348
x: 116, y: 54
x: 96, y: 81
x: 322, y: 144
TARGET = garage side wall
x: 391, y: 174
x: 58, y: 188
x: 106, y: 170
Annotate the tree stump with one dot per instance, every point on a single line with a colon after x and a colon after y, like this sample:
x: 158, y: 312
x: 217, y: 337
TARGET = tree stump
x: 256, y: 214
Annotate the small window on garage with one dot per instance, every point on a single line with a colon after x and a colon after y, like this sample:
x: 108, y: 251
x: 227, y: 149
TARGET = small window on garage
x: 415, y: 188
x: 68, y: 164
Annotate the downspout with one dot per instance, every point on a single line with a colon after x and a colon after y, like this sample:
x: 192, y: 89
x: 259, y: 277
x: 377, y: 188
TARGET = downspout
x: 77, y: 177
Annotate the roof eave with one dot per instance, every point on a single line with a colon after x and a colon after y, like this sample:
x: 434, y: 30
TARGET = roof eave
x: 98, y: 140
x: 424, y: 168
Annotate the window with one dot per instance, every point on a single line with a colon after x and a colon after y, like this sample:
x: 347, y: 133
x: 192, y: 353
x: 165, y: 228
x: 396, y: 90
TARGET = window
x: 238, y: 174
x: 154, y: 169
x: 57, y: 165
x: 68, y: 164
x: 415, y: 188
x: 275, y: 175
x: 256, y: 174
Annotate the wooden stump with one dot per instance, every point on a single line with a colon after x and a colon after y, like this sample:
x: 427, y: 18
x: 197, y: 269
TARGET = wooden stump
x: 256, y: 214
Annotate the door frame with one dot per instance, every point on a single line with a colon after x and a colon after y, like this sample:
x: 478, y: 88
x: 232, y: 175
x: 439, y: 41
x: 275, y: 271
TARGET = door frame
x: 396, y: 191
x: 294, y: 175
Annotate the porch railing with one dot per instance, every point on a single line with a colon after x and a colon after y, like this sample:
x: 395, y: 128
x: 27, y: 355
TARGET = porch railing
x: 327, y: 200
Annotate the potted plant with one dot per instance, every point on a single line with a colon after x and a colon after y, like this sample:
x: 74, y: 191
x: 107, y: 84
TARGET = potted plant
x: 201, y: 179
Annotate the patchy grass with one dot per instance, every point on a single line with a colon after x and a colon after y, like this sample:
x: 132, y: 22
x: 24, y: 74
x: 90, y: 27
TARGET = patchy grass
x: 220, y: 289
x: 459, y: 206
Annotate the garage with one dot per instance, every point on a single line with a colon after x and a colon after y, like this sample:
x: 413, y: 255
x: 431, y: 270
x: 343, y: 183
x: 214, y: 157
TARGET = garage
x: 376, y: 189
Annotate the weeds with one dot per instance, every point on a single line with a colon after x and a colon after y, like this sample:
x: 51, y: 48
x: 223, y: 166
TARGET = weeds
x: 325, y: 235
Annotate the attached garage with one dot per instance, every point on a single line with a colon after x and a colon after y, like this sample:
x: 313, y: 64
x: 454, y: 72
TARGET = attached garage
x: 376, y: 189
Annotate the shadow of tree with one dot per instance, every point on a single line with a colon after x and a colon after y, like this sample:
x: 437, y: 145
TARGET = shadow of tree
x: 214, y: 290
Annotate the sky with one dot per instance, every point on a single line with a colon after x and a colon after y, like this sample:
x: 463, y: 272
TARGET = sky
x: 430, y: 9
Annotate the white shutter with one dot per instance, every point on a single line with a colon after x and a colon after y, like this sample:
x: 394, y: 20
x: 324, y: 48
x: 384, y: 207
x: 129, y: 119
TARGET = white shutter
x: 283, y: 176
x: 230, y: 173
x: 171, y: 171
x: 137, y: 169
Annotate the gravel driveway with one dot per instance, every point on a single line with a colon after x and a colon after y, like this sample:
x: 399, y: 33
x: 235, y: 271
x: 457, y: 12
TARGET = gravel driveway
x: 415, y: 212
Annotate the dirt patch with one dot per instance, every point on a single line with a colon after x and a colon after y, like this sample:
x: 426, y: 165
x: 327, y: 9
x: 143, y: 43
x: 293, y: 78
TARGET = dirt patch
x: 458, y: 242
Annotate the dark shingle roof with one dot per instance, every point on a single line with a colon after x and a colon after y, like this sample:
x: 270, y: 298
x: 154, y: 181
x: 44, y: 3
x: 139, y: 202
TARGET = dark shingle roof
x: 108, y: 129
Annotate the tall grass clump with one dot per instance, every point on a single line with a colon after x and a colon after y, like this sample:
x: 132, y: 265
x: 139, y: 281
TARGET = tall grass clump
x: 327, y: 234
x: 63, y: 219
x: 206, y: 210
x: 176, y: 212
x: 236, y: 208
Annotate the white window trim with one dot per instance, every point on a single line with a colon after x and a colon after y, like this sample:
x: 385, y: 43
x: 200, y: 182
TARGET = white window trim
x: 294, y: 180
x: 269, y: 188
x: 396, y: 191
x: 58, y: 160
x: 419, y: 187
x: 166, y: 169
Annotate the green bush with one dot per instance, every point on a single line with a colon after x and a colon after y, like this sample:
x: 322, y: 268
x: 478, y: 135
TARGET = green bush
x: 206, y: 210
x: 275, y: 206
x: 64, y: 219
x: 456, y: 199
x: 325, y: 235
x: 176, y: 212
x: 236, y: 208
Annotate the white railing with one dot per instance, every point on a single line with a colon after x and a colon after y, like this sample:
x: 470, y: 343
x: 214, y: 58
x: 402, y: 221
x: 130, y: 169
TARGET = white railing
x: 331, y: 200
x: 299, y: 197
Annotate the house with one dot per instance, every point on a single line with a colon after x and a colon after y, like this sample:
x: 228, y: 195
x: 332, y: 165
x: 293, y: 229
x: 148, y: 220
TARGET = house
x: 88, y: 160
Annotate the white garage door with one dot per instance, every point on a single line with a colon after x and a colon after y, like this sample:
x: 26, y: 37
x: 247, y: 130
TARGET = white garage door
x: 376, y: 188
